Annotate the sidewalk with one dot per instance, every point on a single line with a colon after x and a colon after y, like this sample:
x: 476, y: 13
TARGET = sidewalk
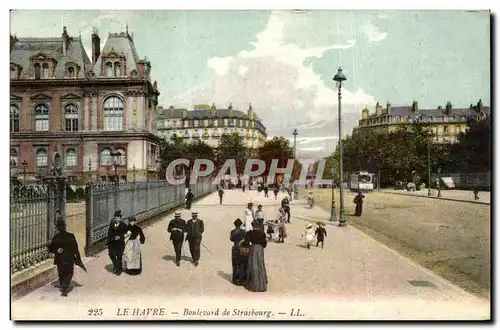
x: 353, y: 277
x: 450, y: 195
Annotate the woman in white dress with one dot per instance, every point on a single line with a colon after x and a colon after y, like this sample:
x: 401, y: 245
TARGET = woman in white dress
x: 308, y: 235
x: 132, y: 259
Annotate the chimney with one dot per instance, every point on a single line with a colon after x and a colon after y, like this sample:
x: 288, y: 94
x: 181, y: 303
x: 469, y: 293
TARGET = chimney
x: 213, y: 107
x: 172, y: 110
x: 184, y: 113
x: 230, y: 107
x: 364, y: 113
x: 377, y: 110
x: 389, y: 108
x: 448, y: 108
x: 65, y: 39
x: 250, y: 111
x: 414, y: 107
x: 480, y: 106
x: 96, y: 46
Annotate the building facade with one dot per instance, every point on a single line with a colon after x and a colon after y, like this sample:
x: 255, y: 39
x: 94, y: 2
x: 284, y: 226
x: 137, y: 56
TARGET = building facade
x: 208, y: 124
x: 98, y: 114
x: 445, y: 123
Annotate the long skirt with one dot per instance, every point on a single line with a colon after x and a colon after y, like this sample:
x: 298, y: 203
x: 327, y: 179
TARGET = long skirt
x: 256, y: 272
x: 359, y: 209
x: 239, y: 267
x: 132, y: 260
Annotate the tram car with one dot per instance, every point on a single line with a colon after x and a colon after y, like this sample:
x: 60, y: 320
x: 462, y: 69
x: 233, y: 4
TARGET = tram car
x: 362, y: 181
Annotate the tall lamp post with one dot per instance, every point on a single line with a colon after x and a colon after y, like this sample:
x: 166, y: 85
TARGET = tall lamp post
x: 133, y: 172
x: 24, y: 164
x: 339, y: 78
x: 295, y: 186
x: 90, y: 169
x: 333, y: 212
x: 429, y: 166
x: 439, y: 181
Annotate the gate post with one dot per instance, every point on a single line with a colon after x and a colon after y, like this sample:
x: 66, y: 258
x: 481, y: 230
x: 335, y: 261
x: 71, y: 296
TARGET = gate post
x: 89, y: 205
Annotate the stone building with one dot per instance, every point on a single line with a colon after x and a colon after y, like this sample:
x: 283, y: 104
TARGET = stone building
x: 208, y: 124
x: 446, y: 123
x: 98, y: 114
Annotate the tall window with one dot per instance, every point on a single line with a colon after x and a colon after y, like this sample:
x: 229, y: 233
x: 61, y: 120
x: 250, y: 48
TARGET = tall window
x: 109, y: 69
x: 106, y: 158
x: 70, y: 158
x: 113, y: 114
x: 71, y: 72
x: 38, y: 70
x: 117, y: 69
x: 14, y: 158
x: 71, y: 117
x: 41, y: 157
x: 45, y: 70
x: 14, y: 118
x: 41, y: 118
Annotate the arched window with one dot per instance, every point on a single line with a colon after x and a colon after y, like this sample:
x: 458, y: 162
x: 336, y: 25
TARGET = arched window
x: 117, y: 72
x: 37, y: 70
x: 106, y: 158
x: 41, y: 157
x: 71, y: 117
x: 41, y: 118
x: 71, y: 72
x: 70, y: 158
x: 113, y: 114
x: 14, y: 158
x: 14, y: 118
x: 109, y: 69
x: 123, y: 156
x: 45, y: 70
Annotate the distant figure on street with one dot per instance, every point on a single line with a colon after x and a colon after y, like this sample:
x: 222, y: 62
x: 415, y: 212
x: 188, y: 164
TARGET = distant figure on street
x: 285, y: 204
x: 475, y: 191
x: 132, y: 258
x: 281, y: 220
x: 66, y: 255
x: 320, y: 234
x: 195, y: 229
x: 266, y: 190
x: 116, y: 242
x: 239, y: 253
x: 189, y: 199
x: 256, y: 271
x: 276, y: 190
x: 259, y: 216
x: 177, y: 227
x: 358, y: 200
x: 221, y: 194
x: 248, y: 217
x: 308, y: 235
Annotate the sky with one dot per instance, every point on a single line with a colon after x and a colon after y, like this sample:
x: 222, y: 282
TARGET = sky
x: 283, y: 62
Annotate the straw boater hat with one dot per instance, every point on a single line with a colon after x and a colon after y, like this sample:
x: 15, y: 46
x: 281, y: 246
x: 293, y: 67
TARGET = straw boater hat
x: 321, y: 224
x: 309, y: 225
x: 194, y: 213
x: 177, y: 214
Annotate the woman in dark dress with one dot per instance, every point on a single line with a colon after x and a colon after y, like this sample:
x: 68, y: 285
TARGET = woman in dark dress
x: 358, y: 200
x: 239, y: 255
x: 132, y: 258
x: 256, y: 272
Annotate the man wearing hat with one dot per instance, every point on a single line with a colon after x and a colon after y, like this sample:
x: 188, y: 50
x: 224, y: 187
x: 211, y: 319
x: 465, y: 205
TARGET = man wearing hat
x: 116, y: 241
x: 320, y: 234
x: 66, y: 254
x: 195, y: 229
x: 177, y: 228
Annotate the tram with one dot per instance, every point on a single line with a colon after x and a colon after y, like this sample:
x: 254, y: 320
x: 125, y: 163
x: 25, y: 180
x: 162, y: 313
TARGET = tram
x: 362, y: 181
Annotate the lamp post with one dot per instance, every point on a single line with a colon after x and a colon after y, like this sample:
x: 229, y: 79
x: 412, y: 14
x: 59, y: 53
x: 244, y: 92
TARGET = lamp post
x: 24, y: 164
x: 133, y: 172
x: 116, y: 161
x: 439, y: 182
x: 295, y: 186
x: 333, y: 212
x: 339, y: 78
x: 429, y: 166
x: 90, y: 169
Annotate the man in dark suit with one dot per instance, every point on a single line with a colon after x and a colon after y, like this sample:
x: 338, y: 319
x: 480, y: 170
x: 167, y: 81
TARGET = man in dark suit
x: 66, y: 254
x: 189, y: 199
x: 116, y: 241
x: 177, y: 228
x: 195, y: 229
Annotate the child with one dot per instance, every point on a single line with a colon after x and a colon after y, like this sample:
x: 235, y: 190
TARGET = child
x: 281, y: 226
x: 308, y: 235
x: 270, y: 228
x: 320, y: 234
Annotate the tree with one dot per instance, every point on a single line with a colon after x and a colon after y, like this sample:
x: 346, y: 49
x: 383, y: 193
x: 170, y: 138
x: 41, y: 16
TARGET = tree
x: 278, y: 148
x: 231, y: 146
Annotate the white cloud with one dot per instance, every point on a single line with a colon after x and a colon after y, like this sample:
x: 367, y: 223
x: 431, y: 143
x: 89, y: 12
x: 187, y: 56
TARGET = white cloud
x: 373, y: 33
x: 220, y: 64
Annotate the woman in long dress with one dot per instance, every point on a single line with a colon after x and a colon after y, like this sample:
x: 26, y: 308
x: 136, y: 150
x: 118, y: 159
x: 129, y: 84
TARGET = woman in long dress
x: 239, y: 253
x: 132, y: 259
x: 282, y: 221
x: 259, y: 216
x: 256, y: 273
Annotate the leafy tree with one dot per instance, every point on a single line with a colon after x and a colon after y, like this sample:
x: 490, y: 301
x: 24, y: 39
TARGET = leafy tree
x: 231, y: 146
x: 278, y: 148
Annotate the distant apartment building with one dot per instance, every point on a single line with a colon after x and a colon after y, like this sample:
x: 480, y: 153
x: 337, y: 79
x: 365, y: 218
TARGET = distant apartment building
x: 208, y: 123
x: 445, y: 123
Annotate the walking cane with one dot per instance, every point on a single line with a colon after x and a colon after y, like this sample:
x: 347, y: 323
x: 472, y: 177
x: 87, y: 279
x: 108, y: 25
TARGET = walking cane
x: 206, y: 248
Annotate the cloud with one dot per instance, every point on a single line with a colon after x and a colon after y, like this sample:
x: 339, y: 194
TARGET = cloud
x: 373, y: 33
x: 283, y: 87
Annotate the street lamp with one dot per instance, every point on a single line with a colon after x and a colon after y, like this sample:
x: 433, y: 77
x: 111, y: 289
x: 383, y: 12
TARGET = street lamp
x: 24, y: 164
x: 133, y: 172
x: 90, y: 169
x: 439, y: 181
x: 116, y: 160
x: 339, y: 78
x: 333, y: 212
x: 429, y: 166
x: 295, y: 186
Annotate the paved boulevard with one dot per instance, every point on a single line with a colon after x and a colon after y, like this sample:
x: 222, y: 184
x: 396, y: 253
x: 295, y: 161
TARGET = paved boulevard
x: 353, y: 277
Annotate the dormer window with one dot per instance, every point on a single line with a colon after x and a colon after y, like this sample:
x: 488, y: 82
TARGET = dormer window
x: 45, y: 70
x: 109, y: 69
x: 71, y: 72
x: 38, y: 70
x: 116, y: 69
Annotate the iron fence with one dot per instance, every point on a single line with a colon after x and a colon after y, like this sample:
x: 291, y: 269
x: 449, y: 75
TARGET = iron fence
x: 33, y: 212
x: 144, y: 199
x: 466, y: 180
